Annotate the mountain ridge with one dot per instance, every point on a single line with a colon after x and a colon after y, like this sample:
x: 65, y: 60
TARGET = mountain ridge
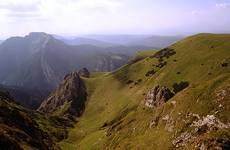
x: 194, y: 68
x: 173, y: 98
x: 39, y: 61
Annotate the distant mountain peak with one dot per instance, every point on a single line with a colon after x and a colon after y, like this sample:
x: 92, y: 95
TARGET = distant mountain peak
x: 39, y: 40
x: 38, y: 34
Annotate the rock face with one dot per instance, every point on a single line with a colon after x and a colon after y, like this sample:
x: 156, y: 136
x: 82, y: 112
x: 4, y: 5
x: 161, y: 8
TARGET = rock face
x: 157, y: 96
x: 68, y: 99
x: 18, y: 130
x: 84, y: 72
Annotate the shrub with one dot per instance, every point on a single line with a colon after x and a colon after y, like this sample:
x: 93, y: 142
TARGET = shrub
x: 177, y: 87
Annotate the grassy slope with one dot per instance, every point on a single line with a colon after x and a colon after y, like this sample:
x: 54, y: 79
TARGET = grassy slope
x: 119, y: 106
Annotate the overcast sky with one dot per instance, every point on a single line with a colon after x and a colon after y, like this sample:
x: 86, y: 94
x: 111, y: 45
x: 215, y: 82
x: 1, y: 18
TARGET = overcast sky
x: 74, y: 17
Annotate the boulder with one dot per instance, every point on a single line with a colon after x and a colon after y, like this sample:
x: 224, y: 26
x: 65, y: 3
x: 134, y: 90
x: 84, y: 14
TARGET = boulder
x: 84, y: 72
x: 157, y: 96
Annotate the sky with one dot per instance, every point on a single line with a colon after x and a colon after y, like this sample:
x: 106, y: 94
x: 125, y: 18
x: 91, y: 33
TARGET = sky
x: 78, y: 17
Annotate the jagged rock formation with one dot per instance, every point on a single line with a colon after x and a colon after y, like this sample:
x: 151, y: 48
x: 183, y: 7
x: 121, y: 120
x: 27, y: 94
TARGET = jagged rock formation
x: 18, y: 130
x: 157, y: 96
x: 68, y: 99
x: 84, y: 72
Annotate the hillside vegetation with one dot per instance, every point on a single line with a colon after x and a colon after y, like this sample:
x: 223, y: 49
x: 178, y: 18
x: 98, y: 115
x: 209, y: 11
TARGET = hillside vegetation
x: 196, y: 69
x: 25, y: 129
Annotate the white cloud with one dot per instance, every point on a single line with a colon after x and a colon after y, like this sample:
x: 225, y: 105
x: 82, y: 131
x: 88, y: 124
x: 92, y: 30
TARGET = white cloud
x: 222, y: 5
x: 59, y: 7
x: 18, y: 2
x: 195, y: 12
x: 107, y: 16
x: 56, y: 15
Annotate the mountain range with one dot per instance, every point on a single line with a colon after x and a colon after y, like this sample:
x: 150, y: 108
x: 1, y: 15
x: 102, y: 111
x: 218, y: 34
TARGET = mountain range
x: 177, y: 97
x: 87, y: 41
x: 157, y: 41
x: 153, y: 41
x: 38, y: 61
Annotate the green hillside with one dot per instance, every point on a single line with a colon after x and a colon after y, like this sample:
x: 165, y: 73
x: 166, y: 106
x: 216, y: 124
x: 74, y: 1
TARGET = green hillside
x: 117, y: 118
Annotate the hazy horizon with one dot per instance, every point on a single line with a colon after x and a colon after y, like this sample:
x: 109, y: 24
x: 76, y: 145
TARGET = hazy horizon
x: 113, y: 17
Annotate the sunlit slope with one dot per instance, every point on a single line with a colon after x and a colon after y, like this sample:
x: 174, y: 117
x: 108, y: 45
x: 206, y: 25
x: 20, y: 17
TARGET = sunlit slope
x: 116, y: 117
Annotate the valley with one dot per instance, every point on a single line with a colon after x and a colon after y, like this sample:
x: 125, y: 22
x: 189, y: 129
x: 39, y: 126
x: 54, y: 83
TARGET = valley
x: 38, y: 63
x: 114, y: 75
x: 177, y: 97
x: 118, y: 117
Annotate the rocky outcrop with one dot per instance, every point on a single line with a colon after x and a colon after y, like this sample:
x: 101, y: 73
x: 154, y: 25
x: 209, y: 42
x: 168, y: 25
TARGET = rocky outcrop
x: 84, y: 72
x: 157, y: 96
x: 68, y: 99
x: 203, y: 125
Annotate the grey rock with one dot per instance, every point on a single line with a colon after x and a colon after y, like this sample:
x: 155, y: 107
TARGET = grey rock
x: 84, y: 72
x: 157, y: 96
x: 69, y: 98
